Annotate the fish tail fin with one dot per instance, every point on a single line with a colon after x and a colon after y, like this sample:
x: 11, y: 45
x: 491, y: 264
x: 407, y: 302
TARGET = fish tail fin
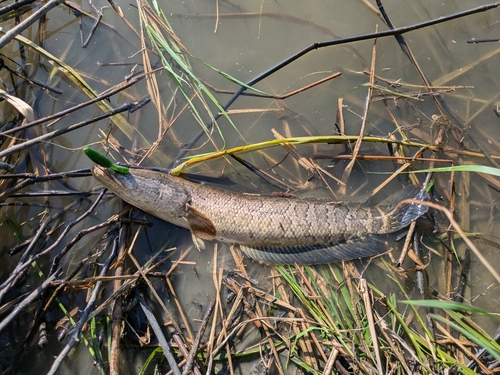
x: 399, y: 215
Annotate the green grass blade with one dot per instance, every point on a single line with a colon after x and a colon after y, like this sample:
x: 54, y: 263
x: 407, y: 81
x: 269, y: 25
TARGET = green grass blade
x: 489, y: 345
x: 158, y: 352
x: 463, y: 168
x: 163, y: 46
x: 294, y: 140
x: 231, y: 78
x: 450, y: 305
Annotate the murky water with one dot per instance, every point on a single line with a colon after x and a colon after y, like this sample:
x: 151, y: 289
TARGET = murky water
x: 243, y: 40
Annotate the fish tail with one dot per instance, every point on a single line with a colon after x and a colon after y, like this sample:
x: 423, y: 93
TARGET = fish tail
x: 394, y: 214
x: 399, y: 215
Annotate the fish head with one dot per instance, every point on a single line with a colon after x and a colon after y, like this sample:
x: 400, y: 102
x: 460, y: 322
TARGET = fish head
x: 114, y: 181
x: 154, y: 192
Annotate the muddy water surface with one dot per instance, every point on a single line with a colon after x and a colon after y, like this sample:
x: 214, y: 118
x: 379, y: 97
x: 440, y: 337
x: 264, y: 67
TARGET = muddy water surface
x: 243, y: 40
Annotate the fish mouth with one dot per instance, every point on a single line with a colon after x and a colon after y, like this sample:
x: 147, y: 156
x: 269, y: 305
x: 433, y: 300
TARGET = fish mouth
x: 109, y: 178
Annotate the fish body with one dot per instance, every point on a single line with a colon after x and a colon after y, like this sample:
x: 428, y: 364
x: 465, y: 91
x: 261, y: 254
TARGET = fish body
x: 270, y: 230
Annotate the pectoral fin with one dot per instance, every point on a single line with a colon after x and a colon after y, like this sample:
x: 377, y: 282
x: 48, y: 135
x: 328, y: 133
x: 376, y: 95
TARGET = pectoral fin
x: 200, y: 225
x: 198, y: 242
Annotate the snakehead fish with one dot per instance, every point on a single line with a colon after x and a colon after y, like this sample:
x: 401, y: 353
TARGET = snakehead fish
x: 268, y: 229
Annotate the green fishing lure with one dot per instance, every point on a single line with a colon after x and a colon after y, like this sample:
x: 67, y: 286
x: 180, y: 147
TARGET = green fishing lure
x: 103, y: 161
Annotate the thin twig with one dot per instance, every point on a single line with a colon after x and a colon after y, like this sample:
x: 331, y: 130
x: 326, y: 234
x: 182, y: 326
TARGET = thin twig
x: 159, y: 335
x: 74, y: 337
x: 371, y: 323
x: 116, y: 309
x: 153, y: 290
x: 27, y: 301
x: 359, y: 141
x: 11, y: 7
x: 461, y: 233
x: 27, y: 144
x: 21, y: 267
x: 12, y: 33
x: 103, y: 96
x: 199, y: 336
x: 37, y: 179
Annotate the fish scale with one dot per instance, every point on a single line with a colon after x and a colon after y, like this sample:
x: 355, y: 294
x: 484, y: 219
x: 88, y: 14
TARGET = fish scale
x: 282, y: 221
x: 268, y: 229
